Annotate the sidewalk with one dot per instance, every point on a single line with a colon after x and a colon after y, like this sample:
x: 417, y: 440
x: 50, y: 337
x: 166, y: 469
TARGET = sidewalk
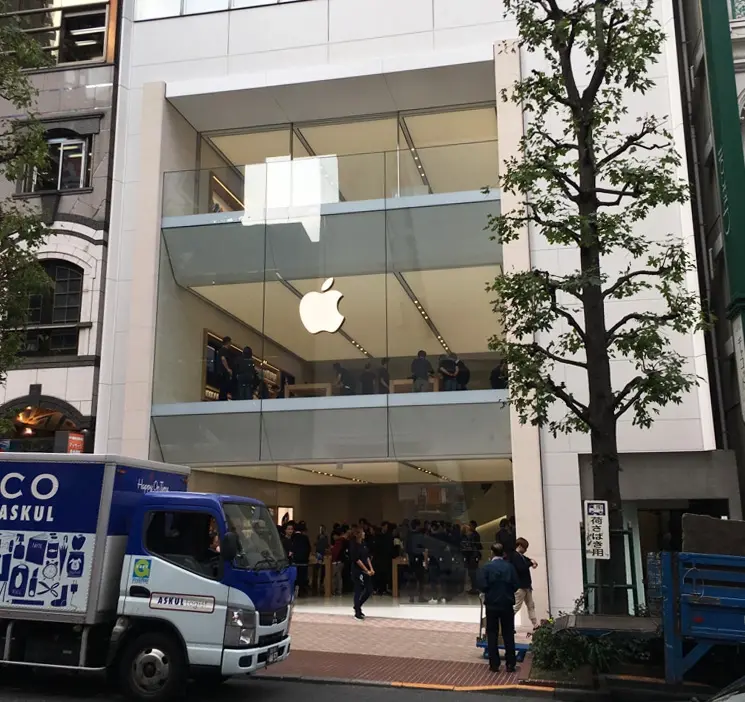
x: 396, y: 652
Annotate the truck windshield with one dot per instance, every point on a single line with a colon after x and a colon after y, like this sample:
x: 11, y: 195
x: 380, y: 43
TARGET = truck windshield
x: 260, y: 547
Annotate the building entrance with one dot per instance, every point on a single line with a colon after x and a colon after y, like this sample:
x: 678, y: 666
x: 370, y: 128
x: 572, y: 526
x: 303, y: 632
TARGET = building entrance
x: 428, y: 525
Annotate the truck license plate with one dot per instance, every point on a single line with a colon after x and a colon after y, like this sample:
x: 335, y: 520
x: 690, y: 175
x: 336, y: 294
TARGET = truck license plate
x: 271, y: 656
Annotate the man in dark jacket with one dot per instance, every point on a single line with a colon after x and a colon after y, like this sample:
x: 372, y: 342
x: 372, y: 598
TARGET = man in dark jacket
x: 300, y: 544
x: 498, y: 583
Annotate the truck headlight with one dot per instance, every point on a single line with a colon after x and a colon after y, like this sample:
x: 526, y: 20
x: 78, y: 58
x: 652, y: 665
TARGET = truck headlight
x: 240, y: 628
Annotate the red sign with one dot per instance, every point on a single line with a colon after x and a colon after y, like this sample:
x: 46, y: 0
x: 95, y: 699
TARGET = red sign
x: 75, y: 443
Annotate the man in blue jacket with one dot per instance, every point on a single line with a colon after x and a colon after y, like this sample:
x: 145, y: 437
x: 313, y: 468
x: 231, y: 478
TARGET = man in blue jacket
x: 498, y: 582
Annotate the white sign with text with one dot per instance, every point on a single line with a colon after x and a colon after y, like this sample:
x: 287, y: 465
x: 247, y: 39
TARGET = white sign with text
x: 597, y: 530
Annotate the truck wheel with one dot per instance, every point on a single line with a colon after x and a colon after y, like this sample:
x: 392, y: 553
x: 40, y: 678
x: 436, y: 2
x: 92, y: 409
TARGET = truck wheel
x: 153, y: 668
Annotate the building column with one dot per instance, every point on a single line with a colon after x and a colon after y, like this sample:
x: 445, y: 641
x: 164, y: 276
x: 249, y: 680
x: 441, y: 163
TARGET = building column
x: 138, y: 352
x: 525, y: 439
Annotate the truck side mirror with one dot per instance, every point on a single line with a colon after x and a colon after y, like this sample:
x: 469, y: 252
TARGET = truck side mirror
x: 229, y: 546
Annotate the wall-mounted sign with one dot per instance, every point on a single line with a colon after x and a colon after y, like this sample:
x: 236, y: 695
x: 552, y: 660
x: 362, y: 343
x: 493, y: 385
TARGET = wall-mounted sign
x: 319, y: 311
x: 597, y: 530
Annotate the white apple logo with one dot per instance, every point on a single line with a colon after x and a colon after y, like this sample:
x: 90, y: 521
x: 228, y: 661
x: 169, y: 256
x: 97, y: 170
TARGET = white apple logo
x: 319, y: 311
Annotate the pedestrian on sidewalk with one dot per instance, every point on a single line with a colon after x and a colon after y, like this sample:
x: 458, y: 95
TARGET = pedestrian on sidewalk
x: 498, y: 583
x: 523, y: 566
x: 362, y: 571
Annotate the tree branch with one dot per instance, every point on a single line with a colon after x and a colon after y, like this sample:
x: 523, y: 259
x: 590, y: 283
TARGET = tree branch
x: 660, y: 319
x: 631, y: 140
x: 554, y: 357
x: 628, y: 277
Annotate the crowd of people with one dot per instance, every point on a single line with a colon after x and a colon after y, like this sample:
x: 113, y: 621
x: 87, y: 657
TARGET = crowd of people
x: 240, y: 378
x: 441, y: 560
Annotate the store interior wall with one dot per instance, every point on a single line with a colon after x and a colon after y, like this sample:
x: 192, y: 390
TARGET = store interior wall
x: 182, y: 320
x: 327, y: 504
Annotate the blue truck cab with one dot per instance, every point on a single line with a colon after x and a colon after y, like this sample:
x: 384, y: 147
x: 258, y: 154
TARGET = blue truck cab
x: 110, y: 565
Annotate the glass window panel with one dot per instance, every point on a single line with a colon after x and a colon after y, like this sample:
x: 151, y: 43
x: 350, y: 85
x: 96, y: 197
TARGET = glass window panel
x: 254, y: 147
x: 408, y: 174
x: 453, y: 127
x: 460, y: 167
x: 83, y: 36
x: 49, y: 178
x: 72, y: 171
x: 357, y: 151
x: 361, y: 137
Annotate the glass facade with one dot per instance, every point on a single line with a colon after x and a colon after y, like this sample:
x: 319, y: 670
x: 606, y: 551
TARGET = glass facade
x: 322, y: 332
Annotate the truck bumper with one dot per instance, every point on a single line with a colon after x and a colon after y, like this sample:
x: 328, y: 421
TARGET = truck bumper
x: 248, y: 660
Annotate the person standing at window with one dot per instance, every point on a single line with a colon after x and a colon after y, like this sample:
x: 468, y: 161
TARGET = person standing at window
x: 301, y: 557
x: 368, y: 380
x: 462, y: 376
x: 245, y: 375
x: 362, y: 571
x: 384, y: 378
x: 498, y: 377
x: 225, y: 368
x: 448, y: 373
x: 498, y: 583
x: 421, y: 372
x: 343, y: 381
x: 472, y: 548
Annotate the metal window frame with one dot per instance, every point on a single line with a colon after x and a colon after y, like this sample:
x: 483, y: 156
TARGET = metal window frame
x: 85, y: 142
x: 64, y: 11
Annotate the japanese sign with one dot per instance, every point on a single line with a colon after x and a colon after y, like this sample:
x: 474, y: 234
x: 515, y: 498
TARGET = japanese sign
x: 597, y: 531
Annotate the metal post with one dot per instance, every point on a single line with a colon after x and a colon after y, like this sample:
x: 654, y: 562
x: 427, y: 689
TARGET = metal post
x: 672, y: 639
x: 632, y: 561
x: 585, y: 588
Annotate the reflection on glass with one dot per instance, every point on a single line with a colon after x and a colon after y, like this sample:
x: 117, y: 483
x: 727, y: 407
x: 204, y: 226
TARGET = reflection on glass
x: 259, y: 545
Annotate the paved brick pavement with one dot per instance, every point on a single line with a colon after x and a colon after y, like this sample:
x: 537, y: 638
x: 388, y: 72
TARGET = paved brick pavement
x: 401, y: 672
x: 410, y: 652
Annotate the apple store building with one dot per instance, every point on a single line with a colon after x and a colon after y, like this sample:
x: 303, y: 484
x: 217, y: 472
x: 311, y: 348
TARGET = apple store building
x: 323, y: 322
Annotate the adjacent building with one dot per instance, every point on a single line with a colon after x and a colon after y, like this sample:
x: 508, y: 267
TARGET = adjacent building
x: 53, y: 390
x: 297, y: 190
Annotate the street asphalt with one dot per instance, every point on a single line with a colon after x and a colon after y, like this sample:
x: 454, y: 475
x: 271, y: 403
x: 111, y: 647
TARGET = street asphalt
x: 69, y: 689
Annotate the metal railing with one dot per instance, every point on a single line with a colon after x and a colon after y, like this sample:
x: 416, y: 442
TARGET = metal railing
x: 737, y: 9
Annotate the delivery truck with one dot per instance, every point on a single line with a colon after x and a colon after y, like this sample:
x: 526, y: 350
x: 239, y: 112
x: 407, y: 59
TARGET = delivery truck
x: 110, y: 565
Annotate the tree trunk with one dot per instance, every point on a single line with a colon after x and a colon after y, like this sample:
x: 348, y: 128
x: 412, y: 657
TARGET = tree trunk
x: 600, y: 407
x: 610, y: 574
x: 605, y: 477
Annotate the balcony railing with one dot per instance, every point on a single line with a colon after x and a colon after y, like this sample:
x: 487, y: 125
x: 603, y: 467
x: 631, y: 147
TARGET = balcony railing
x: 158, y: 9
x: 737, y: 9
x: 312, y: 182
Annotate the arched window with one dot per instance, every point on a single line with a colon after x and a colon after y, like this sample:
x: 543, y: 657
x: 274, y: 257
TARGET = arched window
x: 68, y: 167
x: 54, y: 316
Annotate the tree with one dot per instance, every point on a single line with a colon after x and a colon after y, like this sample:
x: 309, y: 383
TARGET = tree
x: 22, y: 149
x: 589, y: 176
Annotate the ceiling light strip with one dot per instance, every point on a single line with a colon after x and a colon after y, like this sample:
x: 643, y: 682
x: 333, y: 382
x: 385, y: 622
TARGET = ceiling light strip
x: 414, y: 152
x: 330, y: 475
x: 341, y: 332
x: 427, y: 472
x: 425, y: 315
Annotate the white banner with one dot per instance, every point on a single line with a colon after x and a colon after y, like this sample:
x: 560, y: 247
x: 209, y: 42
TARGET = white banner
x: 597, y: 530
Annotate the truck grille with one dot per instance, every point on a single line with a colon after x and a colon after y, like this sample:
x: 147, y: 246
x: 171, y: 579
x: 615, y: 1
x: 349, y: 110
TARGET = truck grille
x: 271, y: 618
x: 271, y: 639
